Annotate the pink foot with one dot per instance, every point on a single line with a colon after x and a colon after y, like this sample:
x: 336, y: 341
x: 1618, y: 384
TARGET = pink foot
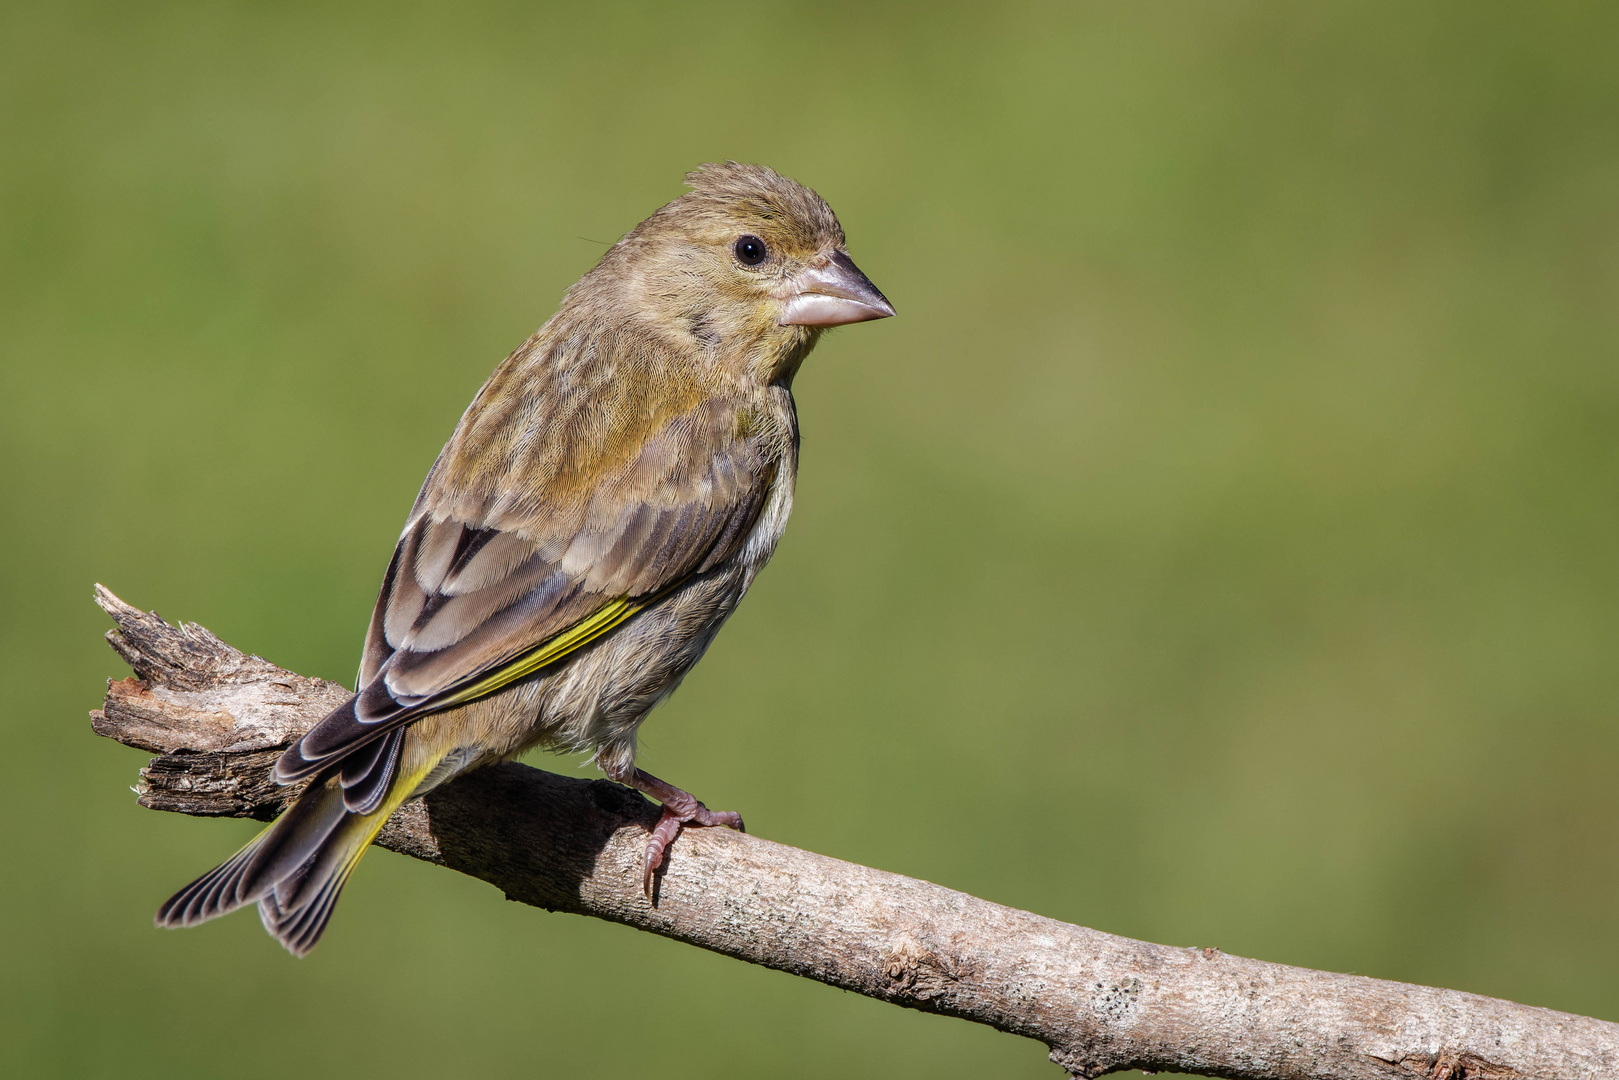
x: 679, y: 808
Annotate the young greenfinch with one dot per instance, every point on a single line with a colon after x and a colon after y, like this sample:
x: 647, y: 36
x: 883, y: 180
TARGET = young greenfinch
x: 598, y: 512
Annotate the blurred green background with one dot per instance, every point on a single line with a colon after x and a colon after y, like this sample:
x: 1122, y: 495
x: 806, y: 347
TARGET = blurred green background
x: 1219, y: 549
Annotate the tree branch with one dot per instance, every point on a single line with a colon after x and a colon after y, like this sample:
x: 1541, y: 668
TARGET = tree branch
x: 217, y: 719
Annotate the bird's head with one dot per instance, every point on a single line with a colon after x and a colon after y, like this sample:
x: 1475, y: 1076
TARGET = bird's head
x: 748, y: 265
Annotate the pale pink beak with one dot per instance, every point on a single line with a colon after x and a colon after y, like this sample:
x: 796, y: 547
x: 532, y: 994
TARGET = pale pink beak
x: 834, y: 294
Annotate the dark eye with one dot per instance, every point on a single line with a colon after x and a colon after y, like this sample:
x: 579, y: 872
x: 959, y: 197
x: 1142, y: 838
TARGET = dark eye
x: 750, y: 251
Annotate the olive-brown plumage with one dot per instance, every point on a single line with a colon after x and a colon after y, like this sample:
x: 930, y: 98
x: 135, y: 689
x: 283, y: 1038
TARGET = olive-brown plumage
x: 602, y: 506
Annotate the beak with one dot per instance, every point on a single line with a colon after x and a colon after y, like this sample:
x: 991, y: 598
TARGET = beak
x: 834, y: 294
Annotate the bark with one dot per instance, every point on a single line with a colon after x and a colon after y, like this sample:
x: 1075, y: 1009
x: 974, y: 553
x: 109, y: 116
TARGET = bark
x: 217, y: 718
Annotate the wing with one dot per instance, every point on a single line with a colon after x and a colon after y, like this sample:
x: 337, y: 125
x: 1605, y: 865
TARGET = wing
x: 494, y: 579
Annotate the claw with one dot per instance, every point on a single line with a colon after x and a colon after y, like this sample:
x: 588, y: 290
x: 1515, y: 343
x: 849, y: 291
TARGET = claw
x: 679, y: 809
x: 663, y: 833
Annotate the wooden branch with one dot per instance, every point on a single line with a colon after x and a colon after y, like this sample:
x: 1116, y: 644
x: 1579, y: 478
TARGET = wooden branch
x: 216, y: 719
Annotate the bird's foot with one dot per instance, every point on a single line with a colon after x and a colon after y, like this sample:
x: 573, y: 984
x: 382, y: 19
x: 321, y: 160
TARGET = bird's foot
x: 679, y: 808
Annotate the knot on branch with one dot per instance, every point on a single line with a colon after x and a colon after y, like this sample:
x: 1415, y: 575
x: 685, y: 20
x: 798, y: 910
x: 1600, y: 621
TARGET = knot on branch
x: 1454, y: 1065
x: 915, y: 973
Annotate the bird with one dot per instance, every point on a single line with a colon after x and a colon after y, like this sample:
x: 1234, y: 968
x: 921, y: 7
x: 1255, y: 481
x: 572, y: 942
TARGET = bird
x: 596, y: 515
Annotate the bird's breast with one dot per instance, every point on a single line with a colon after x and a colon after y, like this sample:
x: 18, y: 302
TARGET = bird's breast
x: 778, y: 503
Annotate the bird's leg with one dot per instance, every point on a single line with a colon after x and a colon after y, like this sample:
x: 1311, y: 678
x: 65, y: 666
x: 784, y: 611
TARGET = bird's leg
x: 679, y: 807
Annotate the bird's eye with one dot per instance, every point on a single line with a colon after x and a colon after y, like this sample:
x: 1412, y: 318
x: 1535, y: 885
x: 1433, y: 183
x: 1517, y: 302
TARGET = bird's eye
x: 750, y: 250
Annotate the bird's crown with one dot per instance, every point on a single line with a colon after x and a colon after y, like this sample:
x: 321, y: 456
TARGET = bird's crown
x: 735, y: 190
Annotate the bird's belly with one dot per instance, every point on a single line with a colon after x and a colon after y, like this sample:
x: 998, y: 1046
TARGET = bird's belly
x: 600, y: 698
x: 597, y: 701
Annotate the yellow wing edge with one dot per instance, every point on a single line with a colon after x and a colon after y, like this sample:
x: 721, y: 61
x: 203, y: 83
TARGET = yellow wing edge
x: 577, y: 636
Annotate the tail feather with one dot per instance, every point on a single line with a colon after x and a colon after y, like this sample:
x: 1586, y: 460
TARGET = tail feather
x: 300, y: 927
x: 296, y: 868
x: 209, y: 896
x: 292, y: 840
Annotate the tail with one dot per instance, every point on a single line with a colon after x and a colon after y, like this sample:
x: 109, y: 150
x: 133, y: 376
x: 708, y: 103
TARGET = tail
x: 296, y: 868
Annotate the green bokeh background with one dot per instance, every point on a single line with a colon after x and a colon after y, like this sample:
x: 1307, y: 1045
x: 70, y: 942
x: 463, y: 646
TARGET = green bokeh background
x: 1219, y: 549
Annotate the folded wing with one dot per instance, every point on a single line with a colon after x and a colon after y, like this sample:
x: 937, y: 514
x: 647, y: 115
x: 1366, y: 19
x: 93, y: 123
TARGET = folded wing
x: 485, y: 590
